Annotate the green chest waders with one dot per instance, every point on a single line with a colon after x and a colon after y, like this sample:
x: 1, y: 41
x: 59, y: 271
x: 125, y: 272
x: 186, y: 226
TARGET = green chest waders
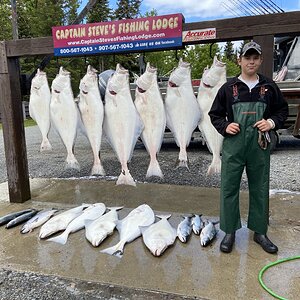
x: 243, y: 151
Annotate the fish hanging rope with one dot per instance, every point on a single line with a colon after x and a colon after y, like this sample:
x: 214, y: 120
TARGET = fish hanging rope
x: 269, y: 266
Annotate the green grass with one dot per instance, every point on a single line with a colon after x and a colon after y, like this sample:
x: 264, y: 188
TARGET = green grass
x: 27, y: 123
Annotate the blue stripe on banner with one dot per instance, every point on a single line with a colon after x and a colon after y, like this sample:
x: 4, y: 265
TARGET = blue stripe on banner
x: 119, y: 47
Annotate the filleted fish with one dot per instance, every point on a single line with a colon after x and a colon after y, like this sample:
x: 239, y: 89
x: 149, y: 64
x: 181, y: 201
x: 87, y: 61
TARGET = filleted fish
x: 122, y: 124
x: 197, y: 224
x: 149, y: 104
x: 64, y: 114
x: 208, y: 233
x: 159, y: 236
x: 184, y: 229
x: 91, y: 213
x: 129, y: 228
x: 21, y: 219
x: 212, y: 79
x: 96, y: 231
x: 39, y: 106
x: 91, y: 111
x: 39, y: 219
x: 182, y: 109
x: 60, y: 221
x: 5, y: 219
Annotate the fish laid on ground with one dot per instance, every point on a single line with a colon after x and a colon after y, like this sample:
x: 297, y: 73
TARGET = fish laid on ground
x: 64, y: 114
x: 96, y: 231
x: 61, y: 221
x: 129, y: 228
x: 182, y: 110
x: 197, y: 224
x: 159, y: 236
x: 184, y: 229
x: 122, y: 124
x: 39, y: 219
x: 208, y: 233
x: 150, y: 106
x: 91, y: 110
x: 21, y: 219
x: 91, y: 213
x: 39, y: 106
x: 5, y: 219
x: 212, y: 79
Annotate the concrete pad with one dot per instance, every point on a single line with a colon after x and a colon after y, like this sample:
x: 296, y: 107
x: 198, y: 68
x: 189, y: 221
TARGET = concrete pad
x: 187, y: 270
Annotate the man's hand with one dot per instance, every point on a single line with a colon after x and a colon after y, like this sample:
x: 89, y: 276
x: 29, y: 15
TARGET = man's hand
x: 233, y: 128
x: 263, y: 125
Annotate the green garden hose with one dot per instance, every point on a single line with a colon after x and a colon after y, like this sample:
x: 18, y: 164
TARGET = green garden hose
x: 260, y: 275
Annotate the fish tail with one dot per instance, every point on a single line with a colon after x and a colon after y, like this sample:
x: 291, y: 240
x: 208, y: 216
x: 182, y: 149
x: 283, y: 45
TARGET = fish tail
x: 98, y: 170
x: 60, y: 239
x: 154, y: 169
x: 116, y: 250
x: 125, y: 178
x: 72, y: 163
x: 45, y: 145
x: 215, y: 166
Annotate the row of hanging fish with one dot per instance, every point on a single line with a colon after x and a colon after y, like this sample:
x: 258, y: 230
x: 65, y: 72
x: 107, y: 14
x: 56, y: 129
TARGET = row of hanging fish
x: 99, y: 224
x: 124, y: 120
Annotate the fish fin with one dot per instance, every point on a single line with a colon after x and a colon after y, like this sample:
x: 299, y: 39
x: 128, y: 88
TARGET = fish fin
x: 164, y: 216
x: 154, y: 169
x: 60, y: 239
x: 115, y: 207
x: 116, y: 250
x: 125, y: 178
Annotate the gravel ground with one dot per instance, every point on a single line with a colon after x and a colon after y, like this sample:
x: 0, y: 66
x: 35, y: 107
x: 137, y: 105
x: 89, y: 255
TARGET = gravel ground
x: 285, y: 165
x: 284, y: 161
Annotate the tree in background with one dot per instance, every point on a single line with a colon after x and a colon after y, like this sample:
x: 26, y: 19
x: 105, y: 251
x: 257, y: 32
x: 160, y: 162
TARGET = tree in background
x: 127, y: 9
x: 5, y: 22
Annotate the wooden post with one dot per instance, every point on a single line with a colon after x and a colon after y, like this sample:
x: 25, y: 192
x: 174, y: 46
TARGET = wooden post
x: 267, y: 44
x: 13, y: 128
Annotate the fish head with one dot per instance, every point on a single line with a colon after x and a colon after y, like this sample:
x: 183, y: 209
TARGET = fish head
x: 157, y: 246
x: 39, y: 80
x: 98, y: 238
x: 61, y: 82
x: 118, y: 81
x: 215, y: 74
x: 204, y: 240
x: 144, y: 82
x: 180, y: 75
x: 25, y: 228
x: 89, y: 80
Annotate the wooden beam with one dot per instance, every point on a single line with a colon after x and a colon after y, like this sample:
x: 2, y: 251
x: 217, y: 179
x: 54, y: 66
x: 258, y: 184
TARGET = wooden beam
x: 227, y: 30
x: 13, y: 128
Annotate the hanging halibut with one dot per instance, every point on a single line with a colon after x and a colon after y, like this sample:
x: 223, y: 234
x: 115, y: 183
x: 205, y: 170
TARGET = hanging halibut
x: 129, y: 228
x: 212, y: 79
x: 159, y: 236
x: 122, y: 124
x: 64, y: 114
x: 91, y: 110
x: 149, y: 104
x: 39, y: 106
x: 182, y: 110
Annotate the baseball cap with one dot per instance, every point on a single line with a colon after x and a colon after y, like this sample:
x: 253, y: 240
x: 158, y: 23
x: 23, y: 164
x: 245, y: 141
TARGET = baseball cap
x: 251, y: 45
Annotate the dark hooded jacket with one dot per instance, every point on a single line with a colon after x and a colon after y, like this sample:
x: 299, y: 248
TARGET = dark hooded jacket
x: 221, y: 113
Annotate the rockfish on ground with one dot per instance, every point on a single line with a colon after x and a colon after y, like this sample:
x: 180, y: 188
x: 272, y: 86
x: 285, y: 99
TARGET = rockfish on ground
x: 96, y: 231
x: 39, y: 219
x: 212, y: 79
x: 39, y: 106
x: 122, y: 124
x: 61, y: 221
x: 91, y: 111
x: 159, y: 236
x: 182, y: 110
x: 184, y: 229
x: 129, y: 228
x: 64, y: 114
x: 208, y: 233
x: 149, y: 104
x: 91, y: 213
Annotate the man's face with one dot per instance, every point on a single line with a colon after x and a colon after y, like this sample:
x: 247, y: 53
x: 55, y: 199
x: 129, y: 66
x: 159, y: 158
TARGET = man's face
x: 250, y: 63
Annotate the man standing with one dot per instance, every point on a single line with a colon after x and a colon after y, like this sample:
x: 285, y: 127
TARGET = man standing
x: 245, y: 109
